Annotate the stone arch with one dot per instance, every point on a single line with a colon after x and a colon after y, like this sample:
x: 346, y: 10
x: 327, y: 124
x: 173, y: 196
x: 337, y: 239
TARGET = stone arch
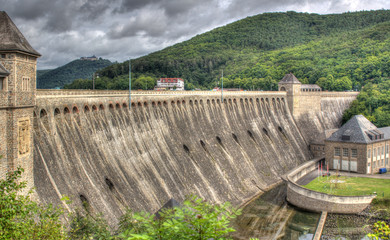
x: 145, y: 104
x: 159, y: 103
x: 101, y: 107
x: 133, y: 104
x: 117, y: 106
x: 66, y: 110
x: 94, y: 108
x: 111, y: 106
x: 153, y: 103
x: 208, y: 101
x: 75, y: 109
x: 124, y: 105
x: 178, y: 102
x: 213, y: 101
x: 165, y: 103
x: 42, y: 113
x: 139, y: 104
x: 86, y: 108
x: 218, y: 101
x: 57, y: 111
x: 183, y: 102
x: 282, y: 89
x: 172, y: 102
x: 191, y: 102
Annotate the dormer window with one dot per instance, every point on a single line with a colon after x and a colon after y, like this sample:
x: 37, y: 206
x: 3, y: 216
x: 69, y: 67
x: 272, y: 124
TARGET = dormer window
x: 345, y: 137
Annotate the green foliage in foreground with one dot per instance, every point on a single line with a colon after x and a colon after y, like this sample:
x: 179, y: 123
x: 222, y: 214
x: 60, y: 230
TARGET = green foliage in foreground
x: 196, y: 219
x: 380, y: 230
x: 22, y: 218
x: 351, y: 186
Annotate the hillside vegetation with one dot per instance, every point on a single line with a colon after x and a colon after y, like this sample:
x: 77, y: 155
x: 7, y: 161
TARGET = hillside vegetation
x: 338, y: 52
x: 77, y: 69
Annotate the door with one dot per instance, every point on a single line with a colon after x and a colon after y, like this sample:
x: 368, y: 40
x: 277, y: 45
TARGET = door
x: 353, y: 166
x: 336, y: 164
x: 345, y: 165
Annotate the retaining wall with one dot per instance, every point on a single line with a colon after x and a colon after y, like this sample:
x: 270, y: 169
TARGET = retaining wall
x: 321, y: 202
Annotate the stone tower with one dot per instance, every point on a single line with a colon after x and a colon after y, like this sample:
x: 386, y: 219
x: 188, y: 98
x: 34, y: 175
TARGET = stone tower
x: 18, y: 62
x: 292, y: 86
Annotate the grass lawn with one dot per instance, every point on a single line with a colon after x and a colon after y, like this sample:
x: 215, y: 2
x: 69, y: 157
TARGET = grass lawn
x: 351, y: 186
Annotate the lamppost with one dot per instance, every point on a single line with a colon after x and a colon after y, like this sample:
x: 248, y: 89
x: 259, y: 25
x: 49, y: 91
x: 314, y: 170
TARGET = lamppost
x: 129, y: 84
x: 222, y: 88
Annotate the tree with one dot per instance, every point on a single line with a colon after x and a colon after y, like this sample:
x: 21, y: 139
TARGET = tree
x: 196, y: 219
x: 21, y: 218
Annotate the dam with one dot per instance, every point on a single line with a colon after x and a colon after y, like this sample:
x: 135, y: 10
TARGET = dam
x: 90, y: 146
x: 98, y: 147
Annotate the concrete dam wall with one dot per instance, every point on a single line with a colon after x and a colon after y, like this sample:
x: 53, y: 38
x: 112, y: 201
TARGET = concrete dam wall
x: 142, y: 157
x: 95, y: 149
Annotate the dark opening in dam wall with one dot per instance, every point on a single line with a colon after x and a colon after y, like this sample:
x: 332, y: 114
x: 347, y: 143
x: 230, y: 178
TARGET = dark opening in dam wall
x: 93, y: 148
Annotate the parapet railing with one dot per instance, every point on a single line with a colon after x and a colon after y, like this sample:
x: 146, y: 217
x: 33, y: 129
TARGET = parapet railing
x: 61, y: 92
x: 339, y: 94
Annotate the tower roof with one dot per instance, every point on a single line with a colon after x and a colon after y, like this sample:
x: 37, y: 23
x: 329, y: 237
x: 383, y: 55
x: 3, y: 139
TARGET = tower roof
x: 289, y: 78
x: 11, y: 39
x: 359, y: 130
x: 3, y: 71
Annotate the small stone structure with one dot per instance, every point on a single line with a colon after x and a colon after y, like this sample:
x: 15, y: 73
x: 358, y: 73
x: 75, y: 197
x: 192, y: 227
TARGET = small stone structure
x: 321, y: 202
x: 17, y: 99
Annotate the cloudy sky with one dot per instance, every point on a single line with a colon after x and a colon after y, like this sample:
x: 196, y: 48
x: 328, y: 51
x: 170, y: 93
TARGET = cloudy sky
x: 64, y: 30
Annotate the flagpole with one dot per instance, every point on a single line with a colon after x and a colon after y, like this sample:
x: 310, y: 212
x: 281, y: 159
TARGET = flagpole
x: 129, y: 84
x: 222, y: 88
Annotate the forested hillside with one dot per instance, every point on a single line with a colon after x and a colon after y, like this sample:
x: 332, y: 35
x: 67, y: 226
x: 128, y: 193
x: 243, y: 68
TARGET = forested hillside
x: 77, y: 69
x: 338, y: 52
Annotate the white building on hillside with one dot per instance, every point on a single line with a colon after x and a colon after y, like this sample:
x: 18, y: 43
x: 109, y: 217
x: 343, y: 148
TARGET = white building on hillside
x: 170, y: 83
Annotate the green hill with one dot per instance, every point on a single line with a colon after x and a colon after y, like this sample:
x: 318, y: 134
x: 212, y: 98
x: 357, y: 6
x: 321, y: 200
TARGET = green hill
x: 337, y: 51
x: 242, y: 44
x: 57, y: 78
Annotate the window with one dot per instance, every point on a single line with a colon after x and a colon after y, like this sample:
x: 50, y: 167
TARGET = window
x: 387, y: 149
x: 383, y: 151
x: 368, y: 164
x: 387, y: 161
x: 3, y: 56
x: 345, y: 152
x: 382, y: 162
x: 354, y: 153
x: 379, y: 152
x: 374, y: 165
x: 337, y: 151
x: 374, y: 153
x: 25, y: 84
x: 2, y: 83
x: 369, y: 153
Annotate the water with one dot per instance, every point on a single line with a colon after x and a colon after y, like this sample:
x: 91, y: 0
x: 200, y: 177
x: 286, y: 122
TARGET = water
x: 270, y: 217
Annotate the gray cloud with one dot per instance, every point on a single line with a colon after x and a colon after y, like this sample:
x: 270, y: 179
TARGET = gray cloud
x: 118, y: 29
